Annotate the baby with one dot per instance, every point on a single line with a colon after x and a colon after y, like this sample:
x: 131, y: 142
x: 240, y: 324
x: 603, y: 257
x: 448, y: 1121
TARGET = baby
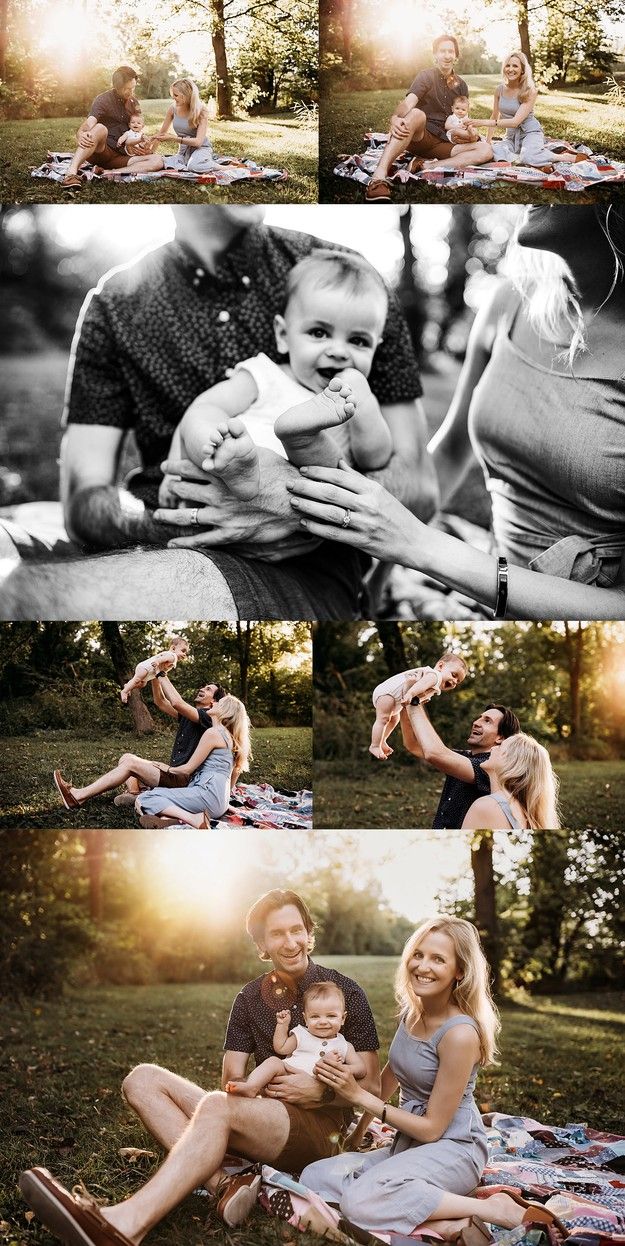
x: 315, y: 406
x: 460, y: 129
x: 135, y: 134
x: 156, y: 666
x: 421, y: 683
x: 323, y: 1006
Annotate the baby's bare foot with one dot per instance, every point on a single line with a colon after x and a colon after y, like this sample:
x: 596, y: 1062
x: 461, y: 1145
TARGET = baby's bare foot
x: 231, y: 454
x: 124, y: 697
x: 240, y: 1088
x: 328, y: 409
x: 387, y: 750
x: 377, y: 752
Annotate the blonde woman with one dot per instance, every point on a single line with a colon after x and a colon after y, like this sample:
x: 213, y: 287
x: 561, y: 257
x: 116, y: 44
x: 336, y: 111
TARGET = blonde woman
x: 207, y: 777
x: 541, y: 402
x: 447, y: 1030
x: 523, y: 789
x: 188, y: 117
x: 211, y: 772
x: 513, y: 107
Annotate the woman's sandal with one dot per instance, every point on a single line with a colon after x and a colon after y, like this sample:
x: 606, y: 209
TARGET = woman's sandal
x: 378, y: 191
x: 536, y: 1213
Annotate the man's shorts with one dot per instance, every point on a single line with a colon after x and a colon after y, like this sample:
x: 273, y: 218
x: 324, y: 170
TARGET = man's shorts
x: 315, y: 1133
x: 430, y: 147
x: 167, y: 779
x: 108, y: 158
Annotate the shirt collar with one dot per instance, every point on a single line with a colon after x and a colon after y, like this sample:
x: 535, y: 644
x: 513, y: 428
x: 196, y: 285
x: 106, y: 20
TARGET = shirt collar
x: 241, y: 260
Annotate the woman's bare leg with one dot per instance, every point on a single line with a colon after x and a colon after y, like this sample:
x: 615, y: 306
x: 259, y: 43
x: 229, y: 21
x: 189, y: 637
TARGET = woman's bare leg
x: 129, y: 765
x: 257, y: 1128
x: 182, y: 815
x: 498, y: 1209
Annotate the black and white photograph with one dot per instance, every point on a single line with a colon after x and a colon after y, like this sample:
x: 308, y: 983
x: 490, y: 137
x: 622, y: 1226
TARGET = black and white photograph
x: 290, y: 414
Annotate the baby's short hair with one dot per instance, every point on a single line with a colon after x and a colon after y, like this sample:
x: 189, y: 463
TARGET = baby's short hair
x: 333, y: 270
x: 460, y: 98
x: 178, y: 640
x: 322, y: 990
x: 449, y: 656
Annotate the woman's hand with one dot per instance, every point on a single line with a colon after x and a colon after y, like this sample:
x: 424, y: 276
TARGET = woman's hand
x: 334, y: 1074
x: 342, y: 505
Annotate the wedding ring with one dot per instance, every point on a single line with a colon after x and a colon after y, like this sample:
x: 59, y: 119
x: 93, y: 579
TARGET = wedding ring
x: 347, y: 518
x: 193, y: 517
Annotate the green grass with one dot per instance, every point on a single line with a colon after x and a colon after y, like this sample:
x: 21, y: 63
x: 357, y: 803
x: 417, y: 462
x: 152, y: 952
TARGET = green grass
x: 65, y: 1060
x: 282, y: 757
x: 277, y: 140
x: 580, y: 115
x: 388, y: 795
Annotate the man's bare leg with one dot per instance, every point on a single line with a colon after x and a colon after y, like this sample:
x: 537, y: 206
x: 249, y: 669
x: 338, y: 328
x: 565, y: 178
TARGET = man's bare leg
x: 83, y: 154
x: 164, y: 1103
x: 415, y: 120
x: 131, y: 584
x: 256, y: 1128
x: 129, y: 764
x: 478, y: 154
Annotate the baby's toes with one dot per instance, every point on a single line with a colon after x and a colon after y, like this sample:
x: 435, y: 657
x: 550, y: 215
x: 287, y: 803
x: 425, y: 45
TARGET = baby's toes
x: 236, y: 427
x: 336, y: 384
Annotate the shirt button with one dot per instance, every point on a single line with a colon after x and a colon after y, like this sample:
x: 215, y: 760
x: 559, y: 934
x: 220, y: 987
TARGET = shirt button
x: 199, y: 272
x: 223, y: 317
x: 324, y: 1042
x: 246, y: 281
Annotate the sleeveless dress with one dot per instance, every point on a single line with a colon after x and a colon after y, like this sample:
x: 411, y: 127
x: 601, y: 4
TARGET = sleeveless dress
x: 189, y: 159
x: 526, y: 142
x: 552, y: 447
x: 398, y: 1187
x: 310, y: 1050
x: 208, y: 789
x: 504, y: 805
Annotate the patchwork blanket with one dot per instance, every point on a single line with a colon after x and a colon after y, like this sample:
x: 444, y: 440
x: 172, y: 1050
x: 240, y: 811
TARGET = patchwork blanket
x: 268, y: 808
x: 574, y: 176
x: 577, y: 1172
x: 227, y: 169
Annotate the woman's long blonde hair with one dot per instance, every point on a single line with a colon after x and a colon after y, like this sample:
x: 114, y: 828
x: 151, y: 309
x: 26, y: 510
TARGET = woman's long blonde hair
x: 192, y: 97
x: 526, y: 773
x: 471, y: 993
x: 232, y: 715
x: 526, y: 84
x: 547, y: 286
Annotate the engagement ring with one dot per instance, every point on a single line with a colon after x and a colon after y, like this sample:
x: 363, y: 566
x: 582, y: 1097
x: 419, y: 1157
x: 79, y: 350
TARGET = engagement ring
x: 347, y: 518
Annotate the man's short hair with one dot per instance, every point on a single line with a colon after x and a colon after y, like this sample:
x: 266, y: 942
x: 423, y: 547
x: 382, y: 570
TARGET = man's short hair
x: 445, y: 39
x: 219, y: 692
x: 332, y: 270
x: 256, y: 919
x: 322, y: 990
x: 122, y: 75
x: 509, y: 724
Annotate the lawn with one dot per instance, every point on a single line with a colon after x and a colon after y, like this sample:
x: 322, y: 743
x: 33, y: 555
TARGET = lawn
x: 65, y: 1060
x: 582, y: 115
x: 391, y: 795
x: 278, y: 140
x: 282, y: 757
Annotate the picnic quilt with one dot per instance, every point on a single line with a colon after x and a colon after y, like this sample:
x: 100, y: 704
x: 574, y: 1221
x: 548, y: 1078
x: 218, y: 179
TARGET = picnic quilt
x: 268, y: 808
x: 575, y: 176
x: 227, y: 169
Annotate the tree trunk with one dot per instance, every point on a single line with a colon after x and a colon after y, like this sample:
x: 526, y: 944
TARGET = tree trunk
x: 4, y: 18
x: 393, y: 647
x: 523, y: 27
x: 244, y: 640
x: 485, y: 901
x: 410, y: 292
x: 574, y: 642
x: 222, y: 73
x: 94, y: 856
x: 116, y: 648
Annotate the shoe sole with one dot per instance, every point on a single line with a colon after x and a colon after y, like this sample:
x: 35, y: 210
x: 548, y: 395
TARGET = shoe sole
x: 242, y: 1204
x: 51, y: 1211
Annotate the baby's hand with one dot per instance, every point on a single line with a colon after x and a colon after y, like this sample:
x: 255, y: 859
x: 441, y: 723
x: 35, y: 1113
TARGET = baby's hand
x: 283, y: 1017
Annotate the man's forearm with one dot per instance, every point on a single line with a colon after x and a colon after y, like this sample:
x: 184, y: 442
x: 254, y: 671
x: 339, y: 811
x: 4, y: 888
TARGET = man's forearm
x: 108, y: 517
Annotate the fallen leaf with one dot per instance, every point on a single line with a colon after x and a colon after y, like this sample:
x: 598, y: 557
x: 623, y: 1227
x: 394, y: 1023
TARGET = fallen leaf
x: 133, y: 1153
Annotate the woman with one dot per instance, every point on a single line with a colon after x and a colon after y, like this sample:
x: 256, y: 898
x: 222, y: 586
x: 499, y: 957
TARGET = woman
x: 447, y: 1030
x: 513, y: 106
x: 523, y: 789
x: 541, y: 400
x: 188, y: 116
x: 207, y: 777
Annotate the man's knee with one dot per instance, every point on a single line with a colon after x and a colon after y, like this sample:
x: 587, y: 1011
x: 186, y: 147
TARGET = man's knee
x: 140, y: 1082
x: 214, y: 1106
x: 100, y: 134
x: 416, y: 120
x: 128, y: 759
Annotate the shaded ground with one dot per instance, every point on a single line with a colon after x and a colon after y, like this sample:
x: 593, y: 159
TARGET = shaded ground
x: 577, y: 115
x: 369, y: 793
x: 275, y: 140
x: 65, y: 1060
x: 282, y: 757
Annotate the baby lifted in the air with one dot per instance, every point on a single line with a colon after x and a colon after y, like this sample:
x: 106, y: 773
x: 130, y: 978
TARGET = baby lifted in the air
x: 419, y: 684
x: 156, y: 666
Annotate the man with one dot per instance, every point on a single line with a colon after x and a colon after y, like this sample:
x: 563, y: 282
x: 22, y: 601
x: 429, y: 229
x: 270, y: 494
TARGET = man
x: 421, y: 130
x: 107, y: 121
x: 465, y: 778
x: 299, y: 1119
x: 193, y: 721
x: 153, y: 335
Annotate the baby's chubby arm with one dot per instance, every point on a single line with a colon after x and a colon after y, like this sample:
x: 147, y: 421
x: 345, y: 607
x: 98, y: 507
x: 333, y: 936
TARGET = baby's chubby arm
x: 354, y: 1062
x: 422, y: 682
x: 284, y: 1044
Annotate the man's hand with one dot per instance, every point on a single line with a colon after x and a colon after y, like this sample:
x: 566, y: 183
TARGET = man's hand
x: 86, y: 138
x: 398, y: 127
x: 298, y: 1088
x: 224, y: 520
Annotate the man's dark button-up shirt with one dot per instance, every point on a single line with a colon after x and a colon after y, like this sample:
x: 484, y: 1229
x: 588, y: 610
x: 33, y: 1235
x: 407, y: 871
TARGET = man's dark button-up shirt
x: 436, y: 95
x: 458, y: 796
